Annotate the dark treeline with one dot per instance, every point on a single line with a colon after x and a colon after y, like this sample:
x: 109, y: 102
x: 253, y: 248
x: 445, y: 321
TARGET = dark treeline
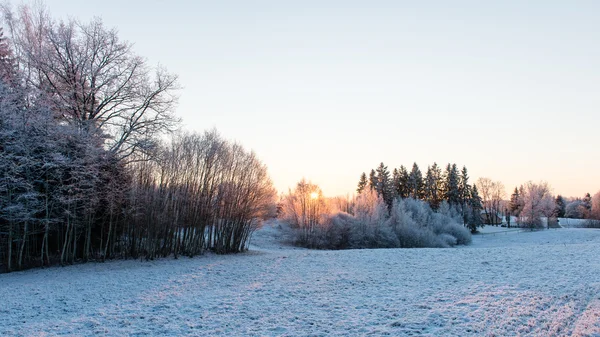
x: 435, y: 187
x: 85, y: 173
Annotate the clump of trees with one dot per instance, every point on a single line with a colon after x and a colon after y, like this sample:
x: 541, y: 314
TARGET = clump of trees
x: 201, y: 192
x: 437, y: 186
x: 409, y: 223
x: 84, y: 172
x: 532, y: 203
x: 305, y: 210
x: 587, y: 207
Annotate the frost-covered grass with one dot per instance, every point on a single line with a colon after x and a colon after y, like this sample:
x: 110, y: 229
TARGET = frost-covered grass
x: 542, y: 283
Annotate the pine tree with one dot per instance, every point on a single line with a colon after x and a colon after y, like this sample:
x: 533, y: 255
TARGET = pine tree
x: 362, y: 183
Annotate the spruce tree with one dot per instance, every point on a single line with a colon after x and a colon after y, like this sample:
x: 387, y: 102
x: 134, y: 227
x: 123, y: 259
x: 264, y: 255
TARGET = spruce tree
x: 432, y: 186
x: 463, y: 187
x: 587, y: 204
x: 464, y: 191
x: 372, y: 180
x: 415, y: 183
x: 404, y: 190
x: 384, y: 186
x: 451, y: 182
x: 396, y: 183
x: 514, y: 205
x: 559, y: 210
x: 362, y: 183
x: 475, y: 210
x: 439, y: 179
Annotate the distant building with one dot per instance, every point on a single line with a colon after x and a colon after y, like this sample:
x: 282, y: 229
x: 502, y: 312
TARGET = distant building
x: 491, y: 219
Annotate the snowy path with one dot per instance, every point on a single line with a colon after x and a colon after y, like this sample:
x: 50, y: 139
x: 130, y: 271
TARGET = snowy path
x: 542, y: 283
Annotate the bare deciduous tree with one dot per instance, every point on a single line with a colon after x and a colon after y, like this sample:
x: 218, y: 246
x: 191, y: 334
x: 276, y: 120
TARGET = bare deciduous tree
x: 537, y: 203
x: 93, y: 79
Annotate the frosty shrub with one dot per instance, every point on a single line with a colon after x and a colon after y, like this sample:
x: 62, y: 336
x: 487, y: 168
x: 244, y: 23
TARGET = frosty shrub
x: 417, y: 225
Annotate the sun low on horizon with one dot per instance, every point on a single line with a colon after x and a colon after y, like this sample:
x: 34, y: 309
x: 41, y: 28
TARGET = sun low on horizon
x: 295, y: 168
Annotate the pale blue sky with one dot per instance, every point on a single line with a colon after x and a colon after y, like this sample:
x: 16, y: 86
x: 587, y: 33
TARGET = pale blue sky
x: 328, y: 89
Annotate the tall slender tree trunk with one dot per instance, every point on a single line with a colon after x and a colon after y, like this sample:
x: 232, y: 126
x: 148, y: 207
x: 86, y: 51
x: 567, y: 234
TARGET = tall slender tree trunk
x: 10, y: 240
x: 46, y: 230
x: 74, y: 239
x: 110, y: 222
x: 64, y: 249
x: 88, y: 239
x: 20, y: 263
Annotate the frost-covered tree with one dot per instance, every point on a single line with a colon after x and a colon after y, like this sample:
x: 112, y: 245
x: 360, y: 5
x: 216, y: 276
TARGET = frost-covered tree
x: 8, y: 66
x: 305, y: 210
x: 596, y: 206
x: 537, y: 203
x: 83, y: 175
x: 93, y: 79
x: 31, y: 157
x: 417, y: 225
x: 575, y: 209
x: 371, y: 211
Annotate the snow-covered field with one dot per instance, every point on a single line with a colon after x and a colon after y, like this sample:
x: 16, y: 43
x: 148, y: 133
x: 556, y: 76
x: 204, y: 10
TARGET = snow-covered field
x: 505, y: 284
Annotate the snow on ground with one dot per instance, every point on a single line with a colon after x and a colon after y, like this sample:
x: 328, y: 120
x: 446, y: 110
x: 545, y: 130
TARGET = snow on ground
x: 544, y: 283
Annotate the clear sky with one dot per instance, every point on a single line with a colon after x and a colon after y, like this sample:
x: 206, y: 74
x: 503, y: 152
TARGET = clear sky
x: 328, y: 89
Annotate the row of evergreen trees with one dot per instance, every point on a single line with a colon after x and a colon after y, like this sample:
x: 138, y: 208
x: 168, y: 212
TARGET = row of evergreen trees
x: 437, y: 186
